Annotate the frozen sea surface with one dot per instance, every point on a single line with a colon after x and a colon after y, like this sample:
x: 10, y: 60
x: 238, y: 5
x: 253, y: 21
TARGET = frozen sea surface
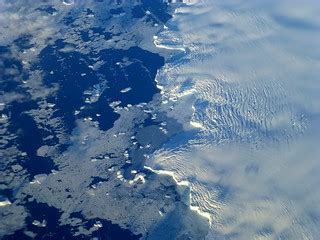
x: 77, y: 123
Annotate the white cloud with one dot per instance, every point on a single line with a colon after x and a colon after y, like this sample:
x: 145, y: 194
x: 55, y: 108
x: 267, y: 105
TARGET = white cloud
x: 253, y: 66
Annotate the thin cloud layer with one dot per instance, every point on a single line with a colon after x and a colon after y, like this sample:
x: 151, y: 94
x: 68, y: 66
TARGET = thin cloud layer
x: 249, y: 79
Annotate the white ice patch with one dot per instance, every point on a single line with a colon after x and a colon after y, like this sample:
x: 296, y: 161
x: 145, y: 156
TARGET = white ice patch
x: 126, y: 90
x: 39, y: 224
x: 68, y: 2
x: 139, y: 178
x: 196, y: 124
x: 38, y: 179
x: 170, y: 43
x: 4, y: 203
x: 98, y: 224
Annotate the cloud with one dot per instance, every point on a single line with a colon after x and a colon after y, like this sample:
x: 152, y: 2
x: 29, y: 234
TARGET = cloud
x: 253, y: 68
